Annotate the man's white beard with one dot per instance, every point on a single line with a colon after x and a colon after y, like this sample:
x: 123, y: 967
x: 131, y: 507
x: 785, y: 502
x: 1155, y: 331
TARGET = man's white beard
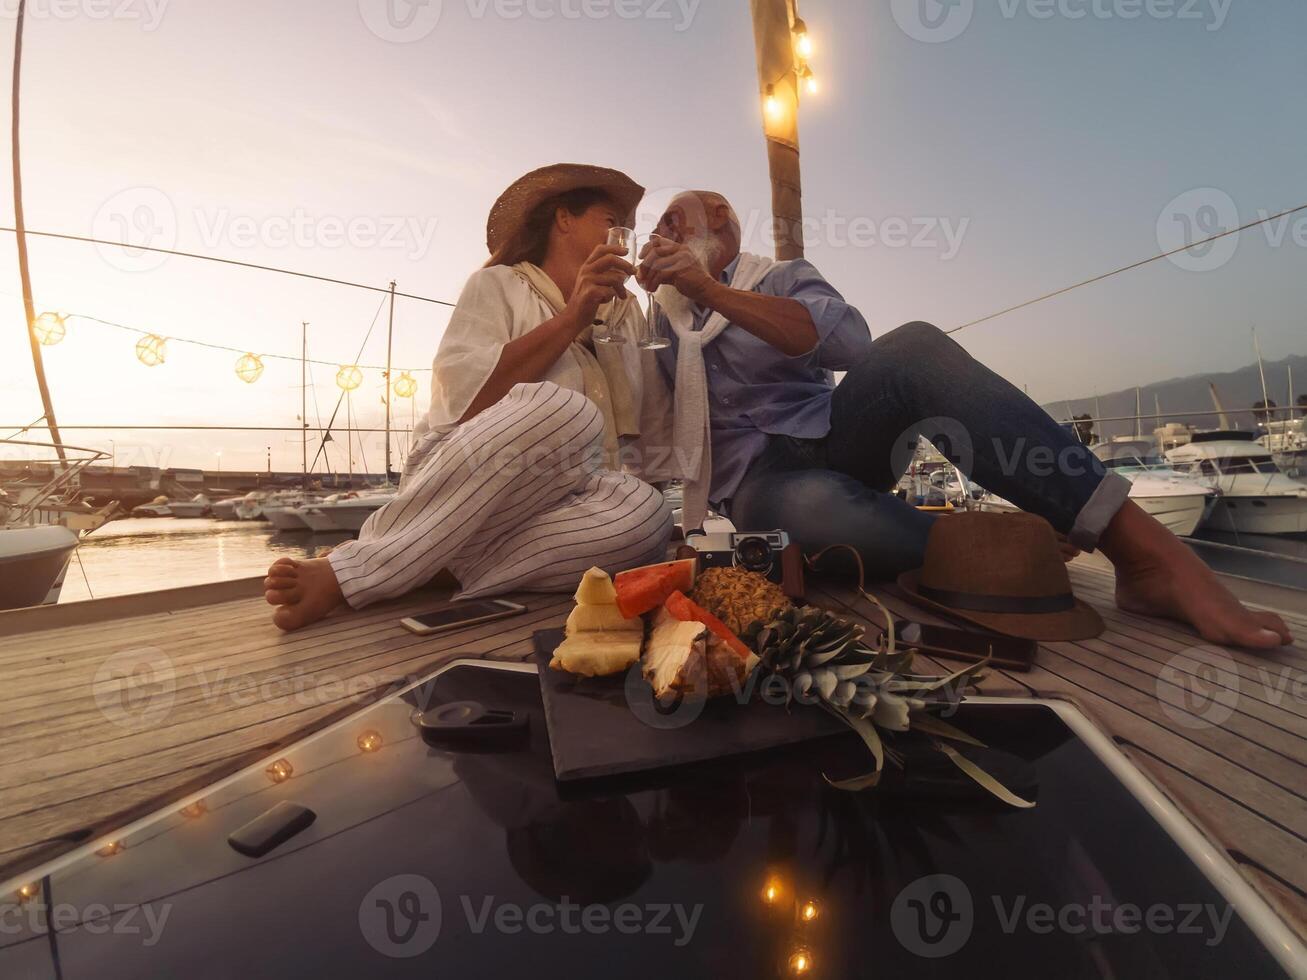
x: 706, y: 250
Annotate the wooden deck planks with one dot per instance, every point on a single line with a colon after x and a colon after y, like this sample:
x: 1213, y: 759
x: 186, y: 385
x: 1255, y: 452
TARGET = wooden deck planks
x: 69, y: 775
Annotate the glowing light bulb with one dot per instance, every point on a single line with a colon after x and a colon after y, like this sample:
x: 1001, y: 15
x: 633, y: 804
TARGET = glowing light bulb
x: 370, y: 741
x: 27, y: 892
x: 280, y: 771
x: 349, y: 377
x: 406, y: 386
x: 811, y: 80
x: 152, y: 350
x: 773, y: 891
x: 809, y: 911
x: 800, y: 962
x: 802, y: 39
x: 50, y: 328
x: 249, y: 368
x: 193, y: 811
x: 110, y: 849
x: 773, y: 103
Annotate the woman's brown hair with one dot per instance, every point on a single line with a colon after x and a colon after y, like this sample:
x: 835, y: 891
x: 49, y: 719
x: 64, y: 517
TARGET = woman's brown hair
x: 531, y: 244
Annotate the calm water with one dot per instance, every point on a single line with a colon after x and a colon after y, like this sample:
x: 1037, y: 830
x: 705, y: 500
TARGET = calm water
x: 144, y: 554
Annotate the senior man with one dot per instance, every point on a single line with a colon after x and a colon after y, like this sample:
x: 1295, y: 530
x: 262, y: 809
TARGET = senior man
x: 777, y: 444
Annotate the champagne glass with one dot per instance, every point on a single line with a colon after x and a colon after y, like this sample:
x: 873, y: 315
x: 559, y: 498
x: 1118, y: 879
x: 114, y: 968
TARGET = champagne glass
x: 623, y: 238
x: 654, y: 336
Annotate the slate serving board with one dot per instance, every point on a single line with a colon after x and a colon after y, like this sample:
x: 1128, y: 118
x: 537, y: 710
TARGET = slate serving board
x: 608, y: 726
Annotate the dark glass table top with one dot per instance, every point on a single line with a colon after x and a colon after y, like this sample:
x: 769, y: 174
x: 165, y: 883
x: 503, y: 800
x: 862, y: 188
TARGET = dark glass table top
x: 429, y: 862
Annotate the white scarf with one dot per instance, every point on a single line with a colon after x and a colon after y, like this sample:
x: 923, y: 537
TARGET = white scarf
x: 691, y: 429
x: 606, y: 381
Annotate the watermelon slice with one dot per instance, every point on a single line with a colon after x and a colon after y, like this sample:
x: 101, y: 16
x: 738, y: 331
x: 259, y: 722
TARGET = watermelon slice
x: 682, y: 607
x: 644, y: 589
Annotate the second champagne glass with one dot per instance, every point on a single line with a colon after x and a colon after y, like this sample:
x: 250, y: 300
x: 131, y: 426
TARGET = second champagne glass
x: 654, y: 336
x: 623, y: 238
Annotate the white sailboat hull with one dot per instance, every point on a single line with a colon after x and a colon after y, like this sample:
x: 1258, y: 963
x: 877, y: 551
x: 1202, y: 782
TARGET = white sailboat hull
x: 32, y: 564
x: 285, y: 518
x: 1259, y: 515
x: 1178, y: 513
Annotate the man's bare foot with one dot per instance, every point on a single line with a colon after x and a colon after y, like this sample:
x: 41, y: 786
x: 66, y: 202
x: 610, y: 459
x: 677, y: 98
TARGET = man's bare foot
x: 1157, y: 575
x: 302, y: 591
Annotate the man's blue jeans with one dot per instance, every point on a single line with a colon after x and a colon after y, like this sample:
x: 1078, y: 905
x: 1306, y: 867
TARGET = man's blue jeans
x: 914, y: 382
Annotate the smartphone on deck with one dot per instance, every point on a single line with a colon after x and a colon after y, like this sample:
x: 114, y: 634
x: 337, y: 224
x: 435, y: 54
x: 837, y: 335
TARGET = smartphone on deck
x: 464, y: 614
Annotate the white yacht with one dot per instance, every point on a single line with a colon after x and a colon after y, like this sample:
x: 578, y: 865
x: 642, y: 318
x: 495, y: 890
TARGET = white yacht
x: 250, y: 507
x: 345, y: 511
x: 225, y: 510
x: 197, y: 506
x: 1180, y: 501
x: 33, y: 561
x: 1255, y: 495
x: 285, y: 511
x: 1287, y: 441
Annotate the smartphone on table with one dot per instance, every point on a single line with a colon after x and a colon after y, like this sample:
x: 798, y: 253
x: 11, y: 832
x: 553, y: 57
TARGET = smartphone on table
x: 461, y: 615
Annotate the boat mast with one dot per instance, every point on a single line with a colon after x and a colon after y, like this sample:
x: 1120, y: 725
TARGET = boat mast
x: 390, y: 342
x: 20, y: 238
x: 1261, y: 369
x: 304, y: 404
x: 773, y: 33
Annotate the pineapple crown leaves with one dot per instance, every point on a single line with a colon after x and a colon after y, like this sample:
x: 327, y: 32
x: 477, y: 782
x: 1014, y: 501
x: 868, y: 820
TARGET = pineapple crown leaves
x: 826, y: 660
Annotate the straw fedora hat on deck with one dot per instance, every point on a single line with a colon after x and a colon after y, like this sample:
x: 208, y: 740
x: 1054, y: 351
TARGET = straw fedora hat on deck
x: 1003, y: 572
x: 524, y: 195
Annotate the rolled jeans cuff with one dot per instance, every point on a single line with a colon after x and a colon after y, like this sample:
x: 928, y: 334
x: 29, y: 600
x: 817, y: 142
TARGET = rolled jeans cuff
x: 1094, y: 517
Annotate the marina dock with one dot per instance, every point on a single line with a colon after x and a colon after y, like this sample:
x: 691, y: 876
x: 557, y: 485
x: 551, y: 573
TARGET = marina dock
x: 218, y: 688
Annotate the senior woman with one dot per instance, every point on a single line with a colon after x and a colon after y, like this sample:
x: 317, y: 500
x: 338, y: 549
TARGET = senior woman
x: 512, y: 483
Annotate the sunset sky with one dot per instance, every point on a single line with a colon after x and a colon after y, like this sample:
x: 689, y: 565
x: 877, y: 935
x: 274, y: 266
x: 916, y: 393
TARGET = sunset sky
x: 959, y: 160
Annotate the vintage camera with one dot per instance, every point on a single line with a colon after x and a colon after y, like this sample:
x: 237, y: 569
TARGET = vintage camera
x: 755, y: 551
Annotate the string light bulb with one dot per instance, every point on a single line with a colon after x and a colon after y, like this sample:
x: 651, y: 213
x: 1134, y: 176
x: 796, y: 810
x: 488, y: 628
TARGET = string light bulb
x: 50, y: 328
x: 406, y: 386
x: 810, y: 79
x: 809, y: 911
x: 152, y: 350
x: 349, y: 377
x: 800, y: 962
x: 370, y: 741
x: 27, y: 892
x: 110, y: 849
x: 802, y: 39
x: 280, y: 771
x: 773, y: 890
x: 773, y: 104
x: 249, y: 368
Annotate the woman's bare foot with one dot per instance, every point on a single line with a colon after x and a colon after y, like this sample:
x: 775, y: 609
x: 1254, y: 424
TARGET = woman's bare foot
x: 302, y: 591
x: 1157, y: 575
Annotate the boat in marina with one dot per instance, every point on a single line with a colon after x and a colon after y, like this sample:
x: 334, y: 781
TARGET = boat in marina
x: 225, y: 510
x: 1180, y: 501
x: 33, y: 561
x: 1287, y: 442
x: 285, y: 511
x: 197, y: 506
x: 1256, y: 497
x: 345, y: 511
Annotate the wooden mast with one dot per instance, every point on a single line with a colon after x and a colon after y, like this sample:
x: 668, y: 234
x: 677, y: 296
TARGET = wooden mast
x: 778, y: 88
x: 20, y: 239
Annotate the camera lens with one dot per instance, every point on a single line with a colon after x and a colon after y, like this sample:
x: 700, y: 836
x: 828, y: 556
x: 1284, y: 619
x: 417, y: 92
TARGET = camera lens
x: 754, y: 554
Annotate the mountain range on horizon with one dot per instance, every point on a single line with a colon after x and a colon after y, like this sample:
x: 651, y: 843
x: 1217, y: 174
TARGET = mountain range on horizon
x: 1183, y: 399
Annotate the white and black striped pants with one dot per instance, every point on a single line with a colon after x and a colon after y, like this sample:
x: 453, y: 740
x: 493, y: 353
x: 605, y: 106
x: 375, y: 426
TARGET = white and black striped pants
x: 514, y: 499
